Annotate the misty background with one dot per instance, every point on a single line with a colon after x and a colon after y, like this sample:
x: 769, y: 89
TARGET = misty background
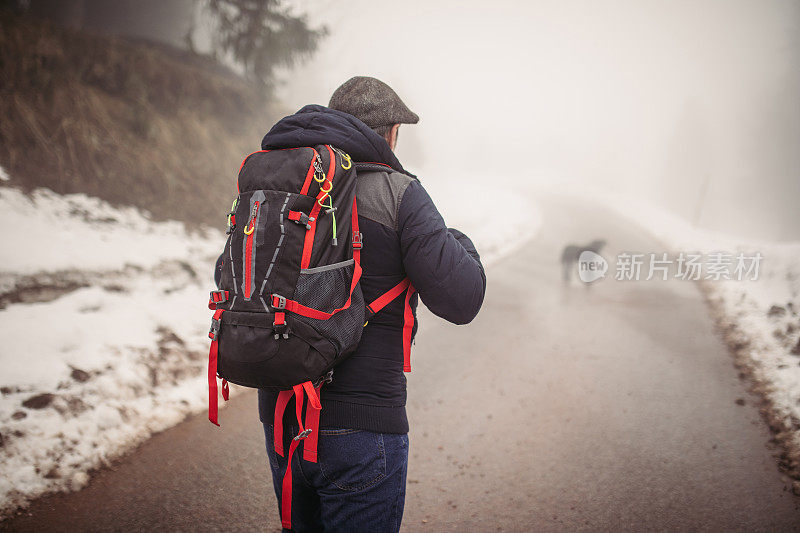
x: 653, y: 99
x: 692, y: 106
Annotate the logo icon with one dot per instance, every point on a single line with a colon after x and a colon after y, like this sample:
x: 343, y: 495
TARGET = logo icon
x: 591, y: 266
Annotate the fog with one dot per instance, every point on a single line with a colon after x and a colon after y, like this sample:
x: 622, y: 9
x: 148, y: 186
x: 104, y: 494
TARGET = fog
x: 660, y: 100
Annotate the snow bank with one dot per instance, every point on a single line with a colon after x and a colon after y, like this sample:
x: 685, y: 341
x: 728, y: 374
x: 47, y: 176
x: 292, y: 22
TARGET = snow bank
x: 759, y: 319
x: 54, y: 232
x: 94, y: 368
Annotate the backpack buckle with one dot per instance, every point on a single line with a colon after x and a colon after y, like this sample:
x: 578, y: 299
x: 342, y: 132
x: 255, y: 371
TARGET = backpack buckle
x: 279, y: 326
x: 214, y: 331
x: 280, y: 330
x: 303, y: 434
x: 327, y: 378
x: 278, y: 302
x: 357, y: 240
x: 301, y: 218
x: 217, y: 297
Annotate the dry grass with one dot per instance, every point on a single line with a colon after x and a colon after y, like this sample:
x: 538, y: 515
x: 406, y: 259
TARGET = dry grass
x: 130, y: 122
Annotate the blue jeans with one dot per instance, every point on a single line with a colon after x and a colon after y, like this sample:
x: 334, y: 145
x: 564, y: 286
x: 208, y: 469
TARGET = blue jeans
x: 358, y: 483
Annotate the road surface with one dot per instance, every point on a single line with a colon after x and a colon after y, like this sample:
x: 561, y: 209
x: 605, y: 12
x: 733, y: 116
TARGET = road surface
x: 559, y: 408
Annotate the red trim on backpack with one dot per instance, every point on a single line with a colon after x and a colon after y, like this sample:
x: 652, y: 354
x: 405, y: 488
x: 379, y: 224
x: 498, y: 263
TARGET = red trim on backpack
x: 310, y: 173
x: 248, y: 157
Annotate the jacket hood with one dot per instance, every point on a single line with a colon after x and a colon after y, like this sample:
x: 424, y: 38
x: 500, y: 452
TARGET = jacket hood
x: 316, y: 124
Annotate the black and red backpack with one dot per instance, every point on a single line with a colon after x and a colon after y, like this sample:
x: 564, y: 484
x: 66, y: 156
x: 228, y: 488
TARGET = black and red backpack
x: 289, y: 305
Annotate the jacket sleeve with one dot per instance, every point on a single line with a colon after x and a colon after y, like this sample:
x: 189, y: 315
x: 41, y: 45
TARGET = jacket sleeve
x: 443, y: 264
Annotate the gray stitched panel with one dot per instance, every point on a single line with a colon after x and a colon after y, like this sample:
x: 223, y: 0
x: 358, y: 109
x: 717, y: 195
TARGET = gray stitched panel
x: 259, y: 197
x: 379, y: 195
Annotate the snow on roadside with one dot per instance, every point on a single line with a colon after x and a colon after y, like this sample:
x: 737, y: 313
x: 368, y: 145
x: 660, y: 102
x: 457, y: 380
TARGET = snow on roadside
x: 759, y: 319
x: 59, y: 232
x: 119, y: 352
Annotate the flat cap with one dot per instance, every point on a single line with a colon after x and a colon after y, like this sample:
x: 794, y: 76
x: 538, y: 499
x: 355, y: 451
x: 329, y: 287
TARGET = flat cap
x: 371, y: 101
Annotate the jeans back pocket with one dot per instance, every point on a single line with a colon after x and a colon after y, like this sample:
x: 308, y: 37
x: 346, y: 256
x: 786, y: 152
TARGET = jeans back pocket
x: 351, y: 460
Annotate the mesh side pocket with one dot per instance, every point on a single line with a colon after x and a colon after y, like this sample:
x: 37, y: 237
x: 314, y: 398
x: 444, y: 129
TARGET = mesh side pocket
x: 327, y: 288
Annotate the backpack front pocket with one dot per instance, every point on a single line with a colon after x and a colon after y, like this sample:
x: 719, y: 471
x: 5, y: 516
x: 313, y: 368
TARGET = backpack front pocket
x: 250, y: 355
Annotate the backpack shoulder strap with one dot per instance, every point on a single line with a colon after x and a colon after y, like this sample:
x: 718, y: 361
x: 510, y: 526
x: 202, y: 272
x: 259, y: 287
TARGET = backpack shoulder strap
x: 408, y: 315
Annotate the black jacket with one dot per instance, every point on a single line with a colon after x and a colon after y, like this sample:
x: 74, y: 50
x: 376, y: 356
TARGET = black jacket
x: 403, y: 235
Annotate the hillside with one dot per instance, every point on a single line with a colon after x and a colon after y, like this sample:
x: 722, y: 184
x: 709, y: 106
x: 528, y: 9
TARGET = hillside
x: 129, y: 122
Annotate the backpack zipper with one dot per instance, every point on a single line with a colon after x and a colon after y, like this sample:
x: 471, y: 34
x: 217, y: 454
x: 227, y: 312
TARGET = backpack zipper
x: 249, y: 231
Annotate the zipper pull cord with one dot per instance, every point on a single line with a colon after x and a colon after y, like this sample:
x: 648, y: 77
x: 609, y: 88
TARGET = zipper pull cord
x: 333, y: 213
x: 329, y: 208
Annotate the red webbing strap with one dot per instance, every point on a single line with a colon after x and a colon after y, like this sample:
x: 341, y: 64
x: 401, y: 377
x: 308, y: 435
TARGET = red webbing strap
x: 308, y: 244
x: 226, y: 393
x: 356, y: 234
x: 286, y: 489
x: 294, y: 215
x: 408, y: 328
x: 298, y: 405
x: 312, y: 421
x: 313, y: 406
x: 387, y: 297
x: 280, y: 407
x: 213, y: 397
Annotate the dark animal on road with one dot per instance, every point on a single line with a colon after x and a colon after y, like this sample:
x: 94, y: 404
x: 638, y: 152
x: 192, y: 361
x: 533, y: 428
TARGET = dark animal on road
x: 571, y: 253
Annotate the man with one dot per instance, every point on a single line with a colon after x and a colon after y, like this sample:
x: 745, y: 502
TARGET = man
x: 358, y: 483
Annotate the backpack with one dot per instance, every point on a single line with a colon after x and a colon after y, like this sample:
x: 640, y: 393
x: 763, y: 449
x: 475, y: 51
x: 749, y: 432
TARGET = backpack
x: 289, y: 305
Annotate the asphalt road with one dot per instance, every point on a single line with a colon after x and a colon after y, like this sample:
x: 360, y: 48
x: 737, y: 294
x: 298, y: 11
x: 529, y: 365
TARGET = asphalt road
x: 558, y: 408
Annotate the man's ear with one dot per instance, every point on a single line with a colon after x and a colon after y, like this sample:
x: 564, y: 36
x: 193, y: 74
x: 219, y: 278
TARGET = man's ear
x: 392, y: 137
